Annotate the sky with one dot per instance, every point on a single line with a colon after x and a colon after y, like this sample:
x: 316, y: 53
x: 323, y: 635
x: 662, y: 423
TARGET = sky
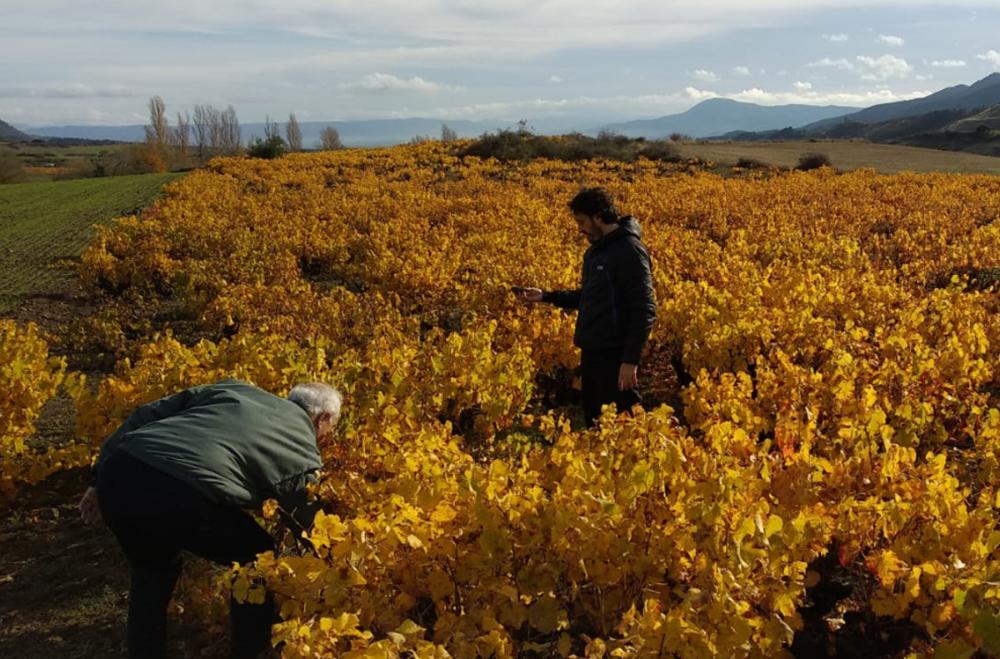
x: 98, y: 61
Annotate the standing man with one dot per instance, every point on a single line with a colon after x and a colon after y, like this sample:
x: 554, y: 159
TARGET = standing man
x: 615, y: 303
x: 177, y: 476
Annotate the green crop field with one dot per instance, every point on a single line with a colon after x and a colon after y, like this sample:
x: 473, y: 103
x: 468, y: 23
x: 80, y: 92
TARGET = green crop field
x: 44, y: 223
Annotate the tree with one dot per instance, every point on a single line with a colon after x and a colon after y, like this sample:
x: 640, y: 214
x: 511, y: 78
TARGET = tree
x: 229, y: 129
x: 447, y: 134
x: 293, y: 133
x: 202, y: 120
x: 158, y: 130
x: 182, y: 133
x: 329, y: 139
x: 271, y: 129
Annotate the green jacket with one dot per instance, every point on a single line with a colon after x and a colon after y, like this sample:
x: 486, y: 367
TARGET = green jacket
x: 235, y: 442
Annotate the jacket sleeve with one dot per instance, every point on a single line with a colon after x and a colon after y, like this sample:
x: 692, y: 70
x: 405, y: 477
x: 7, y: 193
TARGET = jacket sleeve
x: 148, y: 413
x: 636, y: 292
x: 563, y: 299
x: 294, y: 507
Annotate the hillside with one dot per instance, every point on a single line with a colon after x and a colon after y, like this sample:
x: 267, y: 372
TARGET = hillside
x: 720, y: 115
x: 990, y: 117
x: 981, y: 94
x: 10, y: 134
x: 960, y: 118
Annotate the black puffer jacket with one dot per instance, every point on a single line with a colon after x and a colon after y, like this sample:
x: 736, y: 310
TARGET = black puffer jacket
x: 615, y: 298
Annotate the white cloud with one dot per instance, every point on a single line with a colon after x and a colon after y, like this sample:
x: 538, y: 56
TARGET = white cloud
x: 66, y: 90
x: 705, y: 75
x: 924, y: 76
x: 379, y: 83
x: 699, y: 94
x: 991, y: 56
x: 555, y: 79
x: 948, y: 63
x: 810, y: 96
x: 886, y: 67
x: 841, y: 64
x: 803, y: 86
x: 741, y: 70
x: 837, y: 38
x: 890, y: 40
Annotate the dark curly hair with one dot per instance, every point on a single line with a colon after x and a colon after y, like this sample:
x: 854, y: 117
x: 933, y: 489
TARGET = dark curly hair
x: 595, y: 202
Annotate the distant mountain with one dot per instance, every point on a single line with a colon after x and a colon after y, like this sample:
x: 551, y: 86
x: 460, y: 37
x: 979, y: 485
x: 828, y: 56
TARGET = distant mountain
x: 982, y: 94
x: 974, y: 131
x: 721, y: 115
x: 10, y: 134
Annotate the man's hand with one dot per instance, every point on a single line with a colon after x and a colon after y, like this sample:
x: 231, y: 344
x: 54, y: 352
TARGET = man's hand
x: 90, y: 511
x: 628, y: 376
x: 529, y: 294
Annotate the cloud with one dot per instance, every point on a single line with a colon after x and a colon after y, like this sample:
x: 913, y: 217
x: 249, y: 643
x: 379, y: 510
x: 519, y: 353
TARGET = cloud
x: 948, y: 63
x: 803, y: 86
x: 705, y: 75
x: 991, y: 56
x: 67, y: 90
x: 741, y: 70
x: 810, y: 96
x: 699, y: 94
x: 555, y: 79
x: 890, y: 40
x: 886, y: 67
x: 837, y: 38
x: 841, y: 64
x: 381, y: 83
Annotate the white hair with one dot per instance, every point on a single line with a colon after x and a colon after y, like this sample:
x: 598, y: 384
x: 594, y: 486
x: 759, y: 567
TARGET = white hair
x: 317, y: 398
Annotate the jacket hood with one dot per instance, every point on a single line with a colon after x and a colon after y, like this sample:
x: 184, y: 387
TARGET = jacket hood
x: 627, y: 226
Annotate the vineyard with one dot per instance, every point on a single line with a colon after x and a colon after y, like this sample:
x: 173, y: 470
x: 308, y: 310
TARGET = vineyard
x: 818, y: 459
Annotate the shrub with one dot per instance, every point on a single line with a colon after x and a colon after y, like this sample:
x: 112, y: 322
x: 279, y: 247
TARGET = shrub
x: 813, y: 160
x: 751, y: 163
x: 520, y: 144
x: 269, y: 149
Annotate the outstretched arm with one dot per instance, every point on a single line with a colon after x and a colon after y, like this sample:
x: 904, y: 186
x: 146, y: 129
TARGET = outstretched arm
x: 563, y: 299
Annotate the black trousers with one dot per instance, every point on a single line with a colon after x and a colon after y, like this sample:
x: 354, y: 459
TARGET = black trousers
x: 155, y: 516
x: 599, y: 372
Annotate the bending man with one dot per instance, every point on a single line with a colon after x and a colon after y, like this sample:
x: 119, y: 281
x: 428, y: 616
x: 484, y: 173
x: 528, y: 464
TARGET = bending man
x: 177, y: 476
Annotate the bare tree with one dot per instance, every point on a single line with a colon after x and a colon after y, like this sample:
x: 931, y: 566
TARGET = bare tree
x: 271, y: 129
x: 202, y: 123
x: 447, y: 134
x: 229, y: 129
x: 182, y: 133
x: 158, y: 130
x: 293, y: 133
x: 329, y: 139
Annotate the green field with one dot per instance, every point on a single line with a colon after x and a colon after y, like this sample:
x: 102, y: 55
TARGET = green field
x: 43, y: 162
x: 845, y: 155
x: 43, y: 223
